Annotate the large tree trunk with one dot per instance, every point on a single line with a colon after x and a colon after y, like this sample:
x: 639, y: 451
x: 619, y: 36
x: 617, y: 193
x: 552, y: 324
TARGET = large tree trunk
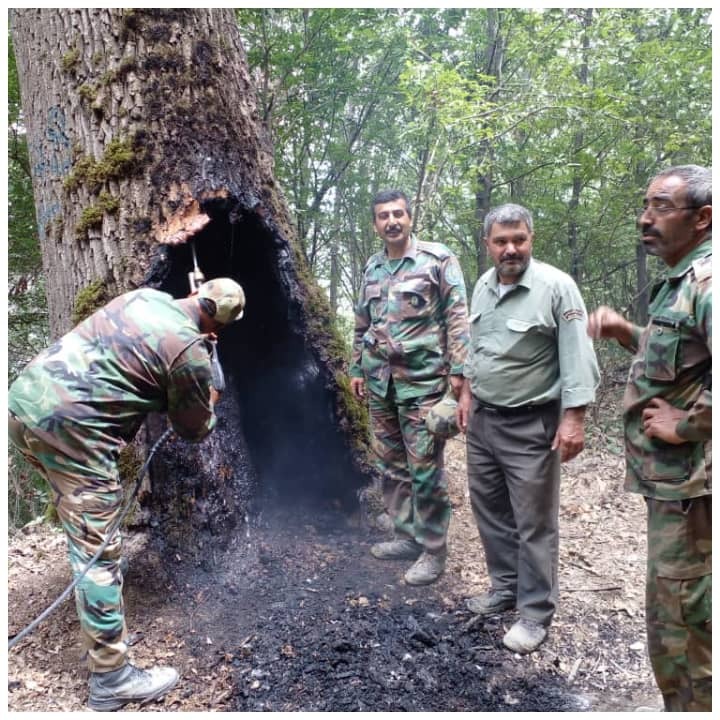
x: 144, y: 139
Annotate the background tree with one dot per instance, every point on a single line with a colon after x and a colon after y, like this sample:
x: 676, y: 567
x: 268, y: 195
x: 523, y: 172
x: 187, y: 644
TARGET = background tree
x: 144, y: 138
x: 567, y: 111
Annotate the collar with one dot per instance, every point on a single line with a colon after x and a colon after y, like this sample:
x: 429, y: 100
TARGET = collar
x: 410, y: 252
x: 699, y: 251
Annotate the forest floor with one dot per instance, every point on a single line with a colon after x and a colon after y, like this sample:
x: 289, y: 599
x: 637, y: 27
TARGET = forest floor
x: 298, y: 617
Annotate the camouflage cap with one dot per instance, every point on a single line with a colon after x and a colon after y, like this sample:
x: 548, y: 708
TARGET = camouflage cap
x: 441, y: 420
x: 227, y: 296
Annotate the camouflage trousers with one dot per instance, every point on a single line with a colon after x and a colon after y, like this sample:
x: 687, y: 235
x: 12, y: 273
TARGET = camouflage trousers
x: 87, y: 505
x: 410, y: 459
x: 679, y: 601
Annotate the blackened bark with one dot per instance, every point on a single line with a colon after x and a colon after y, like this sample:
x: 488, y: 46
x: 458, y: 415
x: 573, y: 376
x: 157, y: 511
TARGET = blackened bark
x: 144, y: 138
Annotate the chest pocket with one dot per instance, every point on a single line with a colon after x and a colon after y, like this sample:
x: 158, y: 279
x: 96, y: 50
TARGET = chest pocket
x: 661, y: 353
x: 372, y: 299
x: 528, y: 327
x: 414, y: 297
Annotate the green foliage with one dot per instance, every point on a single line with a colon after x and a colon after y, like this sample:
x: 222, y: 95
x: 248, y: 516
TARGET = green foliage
x: 29, y: 496
x: 92, y: 216
x: 567, y: 111
x: 88, y: 300
x: 121, y: 157
x: 70, y: 60
x: 87, y: 92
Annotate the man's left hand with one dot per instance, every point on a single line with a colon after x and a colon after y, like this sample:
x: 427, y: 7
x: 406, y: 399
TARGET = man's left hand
x: 570, y: 435
x: 660, y: 420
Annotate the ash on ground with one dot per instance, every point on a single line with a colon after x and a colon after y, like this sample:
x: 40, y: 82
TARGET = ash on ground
x: 306, y: 620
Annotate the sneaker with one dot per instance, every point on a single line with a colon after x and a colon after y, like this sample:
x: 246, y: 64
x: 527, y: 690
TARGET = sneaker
x: 428, y: 568
x: 524, y: 636
x: 112, y: 690
x: 399, y: 549
x: 490, y: 603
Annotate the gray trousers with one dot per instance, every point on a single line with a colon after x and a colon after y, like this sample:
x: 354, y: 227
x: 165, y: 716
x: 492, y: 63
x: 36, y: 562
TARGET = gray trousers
x: 514, y: 483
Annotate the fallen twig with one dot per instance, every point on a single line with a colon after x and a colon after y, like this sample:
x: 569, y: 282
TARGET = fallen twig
x: 573, y: 671
x: 605, y: 588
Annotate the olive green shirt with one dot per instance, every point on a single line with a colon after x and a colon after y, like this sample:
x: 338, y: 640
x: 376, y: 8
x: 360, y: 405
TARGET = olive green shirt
x: 530, y: 346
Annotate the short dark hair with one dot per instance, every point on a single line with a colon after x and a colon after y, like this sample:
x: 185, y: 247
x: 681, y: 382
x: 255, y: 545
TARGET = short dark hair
x: 386, y: 196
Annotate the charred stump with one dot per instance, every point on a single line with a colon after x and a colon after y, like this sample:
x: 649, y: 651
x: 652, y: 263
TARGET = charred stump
x: 144, y: 143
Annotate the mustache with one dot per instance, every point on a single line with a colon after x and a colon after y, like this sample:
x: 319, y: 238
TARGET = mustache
x: 650, y: 230
x: 504, y: 258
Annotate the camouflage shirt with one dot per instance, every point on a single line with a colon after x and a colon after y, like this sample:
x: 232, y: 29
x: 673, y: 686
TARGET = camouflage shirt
x: 411, y: 321
x: 673, y: 361
x: 88, y: 393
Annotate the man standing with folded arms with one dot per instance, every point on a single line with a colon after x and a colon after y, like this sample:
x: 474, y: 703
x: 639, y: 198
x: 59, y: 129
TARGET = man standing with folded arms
x: 529, y: 374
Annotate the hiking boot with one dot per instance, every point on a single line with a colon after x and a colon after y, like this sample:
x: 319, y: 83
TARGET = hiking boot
x: 112, y: 690
x: 428, y: 568
x: 490, y: 603
x: 524, y: 636
x: 398, y: 549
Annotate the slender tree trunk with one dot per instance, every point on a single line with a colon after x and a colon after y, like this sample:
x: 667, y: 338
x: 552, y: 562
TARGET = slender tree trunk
x: 642, y: 296
x: 491, y: 63
x: 578, y: 144
x: 144, y: 138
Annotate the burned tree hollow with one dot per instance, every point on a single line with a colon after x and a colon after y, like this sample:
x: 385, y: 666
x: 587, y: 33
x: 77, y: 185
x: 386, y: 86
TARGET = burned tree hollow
x: 278, y: 438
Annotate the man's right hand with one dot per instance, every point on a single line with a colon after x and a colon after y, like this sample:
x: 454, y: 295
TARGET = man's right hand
x: 214, y: 396
x: 357, y: 385
x: 607, y: 323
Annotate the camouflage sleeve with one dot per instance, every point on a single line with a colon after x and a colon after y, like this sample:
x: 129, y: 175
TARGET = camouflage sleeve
x: 697, y: 426
x: 189, y: 409
x: 454, y: 296
x: 362, y: 323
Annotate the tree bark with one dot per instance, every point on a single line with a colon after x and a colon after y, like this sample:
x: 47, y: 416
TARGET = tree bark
x: 144, y: 138
x: 490, y: 62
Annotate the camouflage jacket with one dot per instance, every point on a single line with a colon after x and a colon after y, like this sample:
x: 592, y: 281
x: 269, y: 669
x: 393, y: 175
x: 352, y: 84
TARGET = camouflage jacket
x: 411, y: 322
x: 88, y: 393
x: 673, y: 361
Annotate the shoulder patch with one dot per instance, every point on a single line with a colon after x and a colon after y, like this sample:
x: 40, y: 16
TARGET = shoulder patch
x: 573, y: 314
x: 453, y: 275
x: 703, y: 268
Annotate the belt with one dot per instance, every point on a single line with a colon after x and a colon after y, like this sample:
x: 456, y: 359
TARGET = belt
x: 518, y: 409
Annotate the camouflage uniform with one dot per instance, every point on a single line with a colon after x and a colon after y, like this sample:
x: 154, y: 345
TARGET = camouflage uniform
x: 75, y: 406
x: 410, y: 333
x: 673, y: 361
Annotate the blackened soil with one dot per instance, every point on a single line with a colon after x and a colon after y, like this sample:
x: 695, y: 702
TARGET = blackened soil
x: 306, y: 620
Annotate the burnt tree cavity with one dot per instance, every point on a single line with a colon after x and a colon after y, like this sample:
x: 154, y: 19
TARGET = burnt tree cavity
x: 278, y: 438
